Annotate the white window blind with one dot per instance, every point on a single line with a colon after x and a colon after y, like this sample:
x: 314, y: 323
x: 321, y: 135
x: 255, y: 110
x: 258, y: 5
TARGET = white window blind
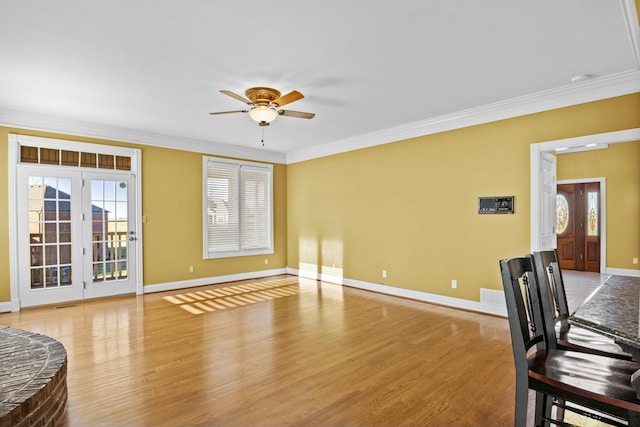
x: 238, y: 208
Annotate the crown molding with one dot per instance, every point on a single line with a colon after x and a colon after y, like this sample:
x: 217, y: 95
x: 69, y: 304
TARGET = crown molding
x: 630, y: 17
x: 66, y: 126
x: 576, y: 93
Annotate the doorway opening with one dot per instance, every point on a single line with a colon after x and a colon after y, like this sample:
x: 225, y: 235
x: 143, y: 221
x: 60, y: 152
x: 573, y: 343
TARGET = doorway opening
x: 541, y: 209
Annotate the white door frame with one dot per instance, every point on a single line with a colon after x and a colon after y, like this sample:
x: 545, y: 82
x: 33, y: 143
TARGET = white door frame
x: 14, y: 157
x: 581, y: 143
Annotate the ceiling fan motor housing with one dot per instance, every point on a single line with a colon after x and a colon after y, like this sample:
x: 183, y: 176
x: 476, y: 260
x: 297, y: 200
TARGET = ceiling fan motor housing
x: 262, y: 95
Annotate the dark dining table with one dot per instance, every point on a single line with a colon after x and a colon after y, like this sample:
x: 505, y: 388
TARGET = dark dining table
x: 613, y: 309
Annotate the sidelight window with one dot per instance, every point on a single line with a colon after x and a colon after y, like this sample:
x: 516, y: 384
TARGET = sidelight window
x: 592, y: 213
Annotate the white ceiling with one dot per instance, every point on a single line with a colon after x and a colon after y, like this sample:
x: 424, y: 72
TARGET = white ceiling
x: 154, y: 67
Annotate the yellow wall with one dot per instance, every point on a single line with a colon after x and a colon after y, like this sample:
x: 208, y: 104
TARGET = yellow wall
x: 620, y: 166
x: 411, y: 207
x: 408, y: 207
x: 172, y: 203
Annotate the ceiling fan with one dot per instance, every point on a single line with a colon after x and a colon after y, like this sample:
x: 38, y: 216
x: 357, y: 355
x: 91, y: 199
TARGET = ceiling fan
x: 265, y: 103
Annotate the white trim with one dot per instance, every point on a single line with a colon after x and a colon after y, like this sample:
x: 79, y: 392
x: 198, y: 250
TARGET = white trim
x: 630, y: 16
x: 331, y: 278
x: 618, y: 84
x: 182, y: 284
x: 136, y: 171
x: 577, y: 93
x: 77, y: 128
x: 136, y: 163
x: 535, y: 240
x: 458, y: 303
x: 13, y: 222
x: 10, y: 306
x: 623, y: 272
x: 67, y: 144
x: 603, y: 214
x: 615, y: 137
x: 5, y: 307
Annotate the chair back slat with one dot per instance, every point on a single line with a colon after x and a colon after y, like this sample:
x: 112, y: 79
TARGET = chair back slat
x: 549, y: 273
x: 523, y: 306
x: 555, y: 275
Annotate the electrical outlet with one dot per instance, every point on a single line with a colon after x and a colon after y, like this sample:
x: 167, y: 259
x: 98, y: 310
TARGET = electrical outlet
x: 454, y: 284
x: 635, y: 260
x: 191, y: 269
x: 384, y: 274
x: 266, y: 261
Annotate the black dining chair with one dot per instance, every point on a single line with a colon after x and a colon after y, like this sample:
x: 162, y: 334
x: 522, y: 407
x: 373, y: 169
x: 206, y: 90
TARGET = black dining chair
x: 600, y: 386
x: 568, y: 337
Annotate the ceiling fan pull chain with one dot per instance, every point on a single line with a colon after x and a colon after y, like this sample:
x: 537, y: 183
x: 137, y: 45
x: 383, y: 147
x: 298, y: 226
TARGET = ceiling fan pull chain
x: 262, y: 138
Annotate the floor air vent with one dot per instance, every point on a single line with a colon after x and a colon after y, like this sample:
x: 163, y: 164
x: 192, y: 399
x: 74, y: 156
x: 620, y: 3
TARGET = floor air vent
x: 493, y: 297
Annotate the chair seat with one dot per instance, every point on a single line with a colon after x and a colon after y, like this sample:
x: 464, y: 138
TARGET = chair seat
x: 580, y: 339
x: 601, y: 383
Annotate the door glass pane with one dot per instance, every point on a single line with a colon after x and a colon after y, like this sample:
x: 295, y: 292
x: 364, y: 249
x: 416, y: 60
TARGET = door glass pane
x: 592, y: 213
x: 562, y: 214
x: 49, y: 224
x: 110, y: 220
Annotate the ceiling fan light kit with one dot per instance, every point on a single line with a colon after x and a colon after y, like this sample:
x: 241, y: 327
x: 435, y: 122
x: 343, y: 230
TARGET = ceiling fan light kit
x: 264, y: 103
x: 263, y: 113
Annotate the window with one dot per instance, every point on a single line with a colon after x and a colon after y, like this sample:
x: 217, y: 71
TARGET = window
x: 562, y: 214
x: 238, y: 208
x: 592, y: 213
x: 56, y: 156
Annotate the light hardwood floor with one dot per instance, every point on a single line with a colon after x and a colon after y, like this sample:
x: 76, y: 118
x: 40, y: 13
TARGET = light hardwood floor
x: 275, y: 352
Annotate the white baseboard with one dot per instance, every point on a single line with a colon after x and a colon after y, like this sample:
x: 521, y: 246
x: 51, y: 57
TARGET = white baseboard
x: 623, y: 272
x: 464, y: 304
x: 182, y: 284
x: 498, y: 309
x: 9, y: 306
x: 5, y: 307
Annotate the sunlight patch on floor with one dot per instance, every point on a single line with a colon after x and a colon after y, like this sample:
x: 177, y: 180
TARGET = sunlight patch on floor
x: 209, y: 300
x: 582, y: 421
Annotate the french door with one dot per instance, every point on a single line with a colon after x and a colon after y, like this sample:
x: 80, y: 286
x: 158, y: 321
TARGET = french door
x: 76, y: 235
x: 109, y: 234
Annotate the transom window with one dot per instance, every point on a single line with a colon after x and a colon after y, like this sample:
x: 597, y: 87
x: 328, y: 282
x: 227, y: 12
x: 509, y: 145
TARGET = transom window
x: 62, y: 157
x: 237, y: 208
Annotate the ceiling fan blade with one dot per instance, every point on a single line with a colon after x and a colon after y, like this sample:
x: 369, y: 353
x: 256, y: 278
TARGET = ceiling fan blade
x: 236, y: 96
x: 229, y: 112
x: 292, y: 96
x: 298, y: 114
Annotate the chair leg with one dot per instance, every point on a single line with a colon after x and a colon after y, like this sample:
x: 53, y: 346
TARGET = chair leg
x: 560, y: 410
x: 522, y: 401
x: 544, y: 405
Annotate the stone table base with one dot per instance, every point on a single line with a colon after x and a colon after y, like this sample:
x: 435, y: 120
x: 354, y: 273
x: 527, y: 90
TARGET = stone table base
x: 33, y: 379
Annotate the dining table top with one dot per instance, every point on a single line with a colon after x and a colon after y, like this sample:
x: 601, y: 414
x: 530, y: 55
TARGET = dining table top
x: 613, y: 309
